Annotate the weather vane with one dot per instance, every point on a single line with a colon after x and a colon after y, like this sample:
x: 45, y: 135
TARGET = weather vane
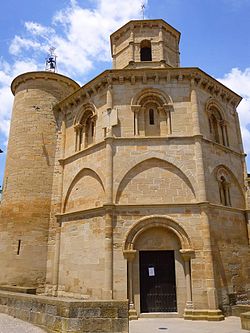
x: 143, y: 6
x: 50, y: 64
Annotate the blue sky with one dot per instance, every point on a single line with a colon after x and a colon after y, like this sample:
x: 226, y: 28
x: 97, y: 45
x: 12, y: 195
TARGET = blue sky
x: 214, y: 37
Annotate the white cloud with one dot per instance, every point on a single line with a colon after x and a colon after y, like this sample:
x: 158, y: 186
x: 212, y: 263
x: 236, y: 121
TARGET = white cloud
x: 37, y: 29
x: 80, y: 36
x: 239, y: 81
x: 20, y: 44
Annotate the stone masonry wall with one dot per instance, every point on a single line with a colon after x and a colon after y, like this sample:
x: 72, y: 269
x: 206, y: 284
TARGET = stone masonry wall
x: 66, y: 316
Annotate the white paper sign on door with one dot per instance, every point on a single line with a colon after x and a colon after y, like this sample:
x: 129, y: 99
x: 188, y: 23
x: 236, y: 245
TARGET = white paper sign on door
x: 151, y: 271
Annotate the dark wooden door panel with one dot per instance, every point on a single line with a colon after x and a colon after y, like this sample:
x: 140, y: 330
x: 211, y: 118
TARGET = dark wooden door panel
x: 157, y: 281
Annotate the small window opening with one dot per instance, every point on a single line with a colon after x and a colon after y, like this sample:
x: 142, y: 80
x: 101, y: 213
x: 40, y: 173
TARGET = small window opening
x: 151, y: 117
x: 146, y: 51
x: 92, y: 128
x: 146, y: 54
x: 18, y: 247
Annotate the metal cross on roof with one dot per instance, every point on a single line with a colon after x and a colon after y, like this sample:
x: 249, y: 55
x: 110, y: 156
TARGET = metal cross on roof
x: 143, y: 6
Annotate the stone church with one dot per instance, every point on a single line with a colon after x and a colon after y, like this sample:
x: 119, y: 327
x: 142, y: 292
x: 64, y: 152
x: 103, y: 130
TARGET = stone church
x: 133, y: 186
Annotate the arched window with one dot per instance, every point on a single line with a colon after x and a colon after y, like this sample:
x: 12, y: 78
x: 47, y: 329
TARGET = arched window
x: 146, y: 51
x: 217, y: 127
x: 85, y: 128
x: 152, y: 113
x: 89, y: 130
x: 214, y: 128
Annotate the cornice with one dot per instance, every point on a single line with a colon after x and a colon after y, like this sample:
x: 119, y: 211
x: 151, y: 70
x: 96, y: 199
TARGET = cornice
x: 102, y: 209
x: 42, y: 75
x: 144, y: 23
x: 224, y: 148
x: 86, y: 151
x: 192, y: 75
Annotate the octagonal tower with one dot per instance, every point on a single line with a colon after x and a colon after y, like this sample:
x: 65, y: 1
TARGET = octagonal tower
x: 145, y: 43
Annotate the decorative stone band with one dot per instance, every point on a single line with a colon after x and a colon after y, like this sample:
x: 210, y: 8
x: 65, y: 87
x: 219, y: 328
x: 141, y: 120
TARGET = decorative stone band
x: 45, y: 76
x: 149, y: 76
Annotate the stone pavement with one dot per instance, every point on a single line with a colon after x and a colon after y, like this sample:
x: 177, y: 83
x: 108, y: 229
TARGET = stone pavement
x: 9, y: 324
x: 176, y: 325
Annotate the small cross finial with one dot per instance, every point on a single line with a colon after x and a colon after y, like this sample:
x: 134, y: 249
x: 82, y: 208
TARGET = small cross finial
x: 143, y: 9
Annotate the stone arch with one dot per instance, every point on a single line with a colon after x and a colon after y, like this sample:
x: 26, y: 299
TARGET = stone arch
x: 86, y: 108
x: 127, y: 172
x: 162, y: 97
x: 213, y: 103
x: 154, y: 221
x: 80, y: 175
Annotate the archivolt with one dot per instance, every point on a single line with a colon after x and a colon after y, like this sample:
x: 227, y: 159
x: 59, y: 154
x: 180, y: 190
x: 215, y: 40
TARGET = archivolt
x: 151, y: 93
x: 213, y: 103
x: 86, y: 108
x: 152, y: 222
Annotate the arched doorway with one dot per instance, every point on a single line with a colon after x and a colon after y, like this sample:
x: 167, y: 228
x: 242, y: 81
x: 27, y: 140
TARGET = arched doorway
x: 158, y: 253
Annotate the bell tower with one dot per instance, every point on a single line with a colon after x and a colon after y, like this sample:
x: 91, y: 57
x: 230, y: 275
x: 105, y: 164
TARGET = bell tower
x: 145, y: 43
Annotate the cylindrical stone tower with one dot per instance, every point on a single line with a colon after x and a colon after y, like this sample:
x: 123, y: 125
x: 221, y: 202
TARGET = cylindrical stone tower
x: 25, y: 206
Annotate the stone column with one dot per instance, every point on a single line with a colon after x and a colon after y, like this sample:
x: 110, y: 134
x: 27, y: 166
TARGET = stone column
x: 161, y: 46
x: 195, y: 109
x: 131, y: 48
x: 136, y: 109
x: 130, y: 256
x: 55, y: 279
x: 108, y: 289
x: 209, y: 268
x: 114, y: 57
x: 109, y: 169
x: 187, y: 255
x: 109, y: 101
x: 168, y: 108
x: 222, y: 124
x: 200, y: 176
x: 57, y: 209
x: 77, y: 137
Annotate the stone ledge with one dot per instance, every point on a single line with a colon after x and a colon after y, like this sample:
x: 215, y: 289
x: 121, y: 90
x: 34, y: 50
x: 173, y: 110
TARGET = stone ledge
x: 210, y: 315
x: 18, y: 289
x: 58, y: 315
x: 237, y: 310
x: 245, y: 320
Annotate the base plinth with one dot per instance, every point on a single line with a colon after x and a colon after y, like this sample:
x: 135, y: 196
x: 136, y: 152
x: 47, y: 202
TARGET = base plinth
x: 210, y: 315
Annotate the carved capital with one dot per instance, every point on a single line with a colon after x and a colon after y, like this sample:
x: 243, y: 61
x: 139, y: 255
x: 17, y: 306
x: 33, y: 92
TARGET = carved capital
x: 187, y: 254
x: 78, y: 126
x: 136, y: 108
x: 129, y: 254
x: 168, y: 107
